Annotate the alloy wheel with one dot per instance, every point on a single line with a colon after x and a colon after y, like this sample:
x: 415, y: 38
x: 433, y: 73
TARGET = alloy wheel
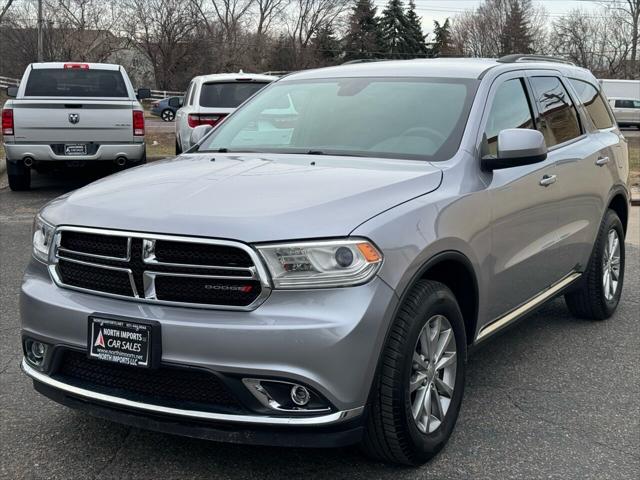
x: 167, y: 115
x: 611, y: 265
x: 433, y: 374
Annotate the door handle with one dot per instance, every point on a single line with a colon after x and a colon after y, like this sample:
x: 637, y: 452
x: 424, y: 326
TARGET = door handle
x: 602, y: 161
x: 548, y: 180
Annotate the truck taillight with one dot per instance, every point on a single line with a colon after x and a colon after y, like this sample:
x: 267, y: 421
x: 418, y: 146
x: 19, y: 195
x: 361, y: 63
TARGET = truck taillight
x: 7, y: 121
x: 81, y: 66
x: 138, y: 123
x: 194, y: 119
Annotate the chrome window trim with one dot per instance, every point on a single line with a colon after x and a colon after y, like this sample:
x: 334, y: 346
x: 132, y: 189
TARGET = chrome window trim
x: 258, y: 271
x: 328, y: 419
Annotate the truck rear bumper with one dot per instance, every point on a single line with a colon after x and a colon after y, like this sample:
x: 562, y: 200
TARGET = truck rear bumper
x: 43, y: 152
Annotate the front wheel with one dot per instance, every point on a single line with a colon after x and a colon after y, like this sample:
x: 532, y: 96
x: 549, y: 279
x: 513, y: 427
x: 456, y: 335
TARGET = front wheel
x: 598, y: 293
x: 417, y: 393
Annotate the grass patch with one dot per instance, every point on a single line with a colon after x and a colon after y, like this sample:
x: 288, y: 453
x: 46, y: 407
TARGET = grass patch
x: 160, y: 145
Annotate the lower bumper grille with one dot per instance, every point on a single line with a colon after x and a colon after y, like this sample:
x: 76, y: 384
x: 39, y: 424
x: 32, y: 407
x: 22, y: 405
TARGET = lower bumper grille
x: 168, y: 386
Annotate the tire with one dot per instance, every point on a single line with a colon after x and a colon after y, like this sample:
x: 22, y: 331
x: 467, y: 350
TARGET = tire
x: 591, y: 300
x: 178, y: 149
x: 167, y: 115
x: 19, y: 176
x: 392, y: 434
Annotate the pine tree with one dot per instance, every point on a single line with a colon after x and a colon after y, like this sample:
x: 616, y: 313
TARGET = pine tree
x: 363, y: 39
x: 395, y: 31
x: 516, y: 35
x: 441, y: 46
x: 326, y: 46
x: 416, y: 37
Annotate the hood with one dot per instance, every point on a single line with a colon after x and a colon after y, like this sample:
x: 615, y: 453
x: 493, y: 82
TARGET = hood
x: 248, y: 198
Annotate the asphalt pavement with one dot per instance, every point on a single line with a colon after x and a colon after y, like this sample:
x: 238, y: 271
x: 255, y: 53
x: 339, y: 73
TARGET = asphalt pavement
x: 554, y: 397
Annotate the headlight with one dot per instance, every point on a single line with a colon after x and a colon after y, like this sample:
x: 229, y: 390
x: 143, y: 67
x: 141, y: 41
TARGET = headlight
x: 334, y: 263
x: 42, y: 237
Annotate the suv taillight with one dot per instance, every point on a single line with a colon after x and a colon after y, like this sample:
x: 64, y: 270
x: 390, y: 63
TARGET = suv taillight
x: 138, y: 123
x: 195, y: 119
x: 7, y: 121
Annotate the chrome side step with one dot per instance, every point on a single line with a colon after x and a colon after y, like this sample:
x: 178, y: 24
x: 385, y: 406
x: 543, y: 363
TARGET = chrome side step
x: 526, y: 307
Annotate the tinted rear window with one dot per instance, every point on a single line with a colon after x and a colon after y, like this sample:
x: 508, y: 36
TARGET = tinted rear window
x: 627, y: 103
x: 58, y: 82
x: 228, y: 95
x: 594, y: 104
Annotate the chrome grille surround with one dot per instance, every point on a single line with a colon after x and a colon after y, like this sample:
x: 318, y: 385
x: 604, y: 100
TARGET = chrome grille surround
x: 256, y: 272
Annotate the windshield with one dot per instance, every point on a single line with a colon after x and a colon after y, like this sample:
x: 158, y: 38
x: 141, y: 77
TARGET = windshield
x: 228, y: 95
x: 58, y: 82
x: 405, y: 118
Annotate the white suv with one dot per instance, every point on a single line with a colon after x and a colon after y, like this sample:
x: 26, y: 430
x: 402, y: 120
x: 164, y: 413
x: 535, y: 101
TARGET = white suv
x: 210, y: 98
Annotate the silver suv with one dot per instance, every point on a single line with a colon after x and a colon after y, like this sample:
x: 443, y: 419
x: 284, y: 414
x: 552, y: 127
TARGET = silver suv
x: 314, y: 270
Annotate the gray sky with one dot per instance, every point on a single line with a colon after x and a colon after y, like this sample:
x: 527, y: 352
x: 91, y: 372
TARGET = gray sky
x: 431, y: 10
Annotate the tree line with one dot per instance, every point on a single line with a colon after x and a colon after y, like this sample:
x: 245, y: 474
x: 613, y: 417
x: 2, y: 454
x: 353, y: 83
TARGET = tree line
x: 164, y: 43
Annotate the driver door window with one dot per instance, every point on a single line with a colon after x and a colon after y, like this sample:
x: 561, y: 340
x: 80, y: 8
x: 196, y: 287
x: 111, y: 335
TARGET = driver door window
x: 510, y: 109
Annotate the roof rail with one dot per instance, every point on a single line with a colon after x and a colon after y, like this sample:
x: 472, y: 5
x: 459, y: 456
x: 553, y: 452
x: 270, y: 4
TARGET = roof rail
x: 519, y: 57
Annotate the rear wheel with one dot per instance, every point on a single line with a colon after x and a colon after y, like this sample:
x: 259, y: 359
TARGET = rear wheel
x: 167, y: 115
x: 19, y: 176
x: 598, y: 294
x: 178, y: 148
x: 418, y: 389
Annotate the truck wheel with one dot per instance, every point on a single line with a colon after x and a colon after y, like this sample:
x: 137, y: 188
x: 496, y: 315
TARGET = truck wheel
x: 417, y: 392
x: 598, y: 293
x: 19, y: 176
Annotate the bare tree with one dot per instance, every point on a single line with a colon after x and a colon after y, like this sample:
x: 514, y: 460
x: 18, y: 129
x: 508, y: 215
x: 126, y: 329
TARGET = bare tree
x: 163, y: 30
x: 225, y: 21
x: 481, y: 32
x: 597, y: 42
x: 5, y: 9
x: 630, y: 16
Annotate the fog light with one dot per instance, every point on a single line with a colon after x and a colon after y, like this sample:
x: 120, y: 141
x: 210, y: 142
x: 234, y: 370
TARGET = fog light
x: 35, y: 352
x: 300, y: 395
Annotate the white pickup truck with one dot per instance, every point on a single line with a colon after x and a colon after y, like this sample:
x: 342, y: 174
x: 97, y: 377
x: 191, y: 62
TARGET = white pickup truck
x: 71, y: 114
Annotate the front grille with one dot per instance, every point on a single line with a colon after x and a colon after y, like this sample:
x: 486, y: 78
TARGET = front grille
x: 167, y: 385
x: 201, y: 254
x: 139, y: 266
x: 95, y: 278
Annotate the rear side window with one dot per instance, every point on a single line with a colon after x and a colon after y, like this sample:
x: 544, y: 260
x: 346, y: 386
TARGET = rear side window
x: 227, y: 95
x: 593, y: 102
x: 627, y: 103
x: 558, y: 118
x: 74, y: 82
x: 510, y: 109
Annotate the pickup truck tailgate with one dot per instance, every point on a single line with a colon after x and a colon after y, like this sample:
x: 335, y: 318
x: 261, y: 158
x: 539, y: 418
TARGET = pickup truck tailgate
x: 71, y: 120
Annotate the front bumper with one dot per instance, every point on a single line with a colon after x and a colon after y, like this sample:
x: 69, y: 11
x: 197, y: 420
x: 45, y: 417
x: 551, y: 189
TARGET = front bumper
x: 328, y: 339
x: 44, y: 153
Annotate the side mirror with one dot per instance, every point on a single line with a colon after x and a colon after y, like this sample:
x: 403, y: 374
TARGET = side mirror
x: 517, y: 147
x: 175, y: 102
x: 143, y: 93
x: 12, y: 92
x: 198, y: 134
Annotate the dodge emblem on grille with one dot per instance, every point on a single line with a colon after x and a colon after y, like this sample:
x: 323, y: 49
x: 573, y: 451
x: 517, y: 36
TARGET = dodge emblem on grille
x: 74, y: 118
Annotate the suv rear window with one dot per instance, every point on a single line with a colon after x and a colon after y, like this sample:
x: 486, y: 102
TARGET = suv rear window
x: 228, y: 95
x: 627, y: 103
x: 58, y: 82
x: 593, y: 102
